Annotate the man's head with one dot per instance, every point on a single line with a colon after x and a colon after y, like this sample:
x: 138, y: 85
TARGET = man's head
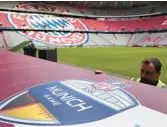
x: 150, y: 71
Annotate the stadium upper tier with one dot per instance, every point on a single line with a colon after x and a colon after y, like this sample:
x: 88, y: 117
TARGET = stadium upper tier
x: 115, y: 24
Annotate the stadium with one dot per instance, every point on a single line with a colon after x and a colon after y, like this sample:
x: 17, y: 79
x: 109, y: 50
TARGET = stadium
x: 115, y: 24
x: 74, y: 40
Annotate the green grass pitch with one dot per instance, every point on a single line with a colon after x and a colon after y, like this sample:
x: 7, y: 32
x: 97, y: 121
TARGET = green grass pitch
x: 120, y: 61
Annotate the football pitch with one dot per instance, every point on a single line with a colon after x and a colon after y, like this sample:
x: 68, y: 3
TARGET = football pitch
x: 118, y: 61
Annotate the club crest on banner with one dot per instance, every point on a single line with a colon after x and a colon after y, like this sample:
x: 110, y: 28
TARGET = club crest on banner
x: 38, y: 21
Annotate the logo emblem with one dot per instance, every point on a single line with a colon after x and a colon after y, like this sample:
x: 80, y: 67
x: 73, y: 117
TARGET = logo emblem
x: 66, y: 102
x: 37, y: 21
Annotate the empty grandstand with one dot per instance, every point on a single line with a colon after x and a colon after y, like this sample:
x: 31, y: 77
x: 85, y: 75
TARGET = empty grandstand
x: 83, y: 23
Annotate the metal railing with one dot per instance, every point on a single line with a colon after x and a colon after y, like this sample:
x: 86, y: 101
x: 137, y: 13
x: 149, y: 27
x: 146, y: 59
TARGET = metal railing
x: 82, y: 31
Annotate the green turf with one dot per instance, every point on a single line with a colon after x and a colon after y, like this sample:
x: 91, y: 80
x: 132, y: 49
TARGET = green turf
x: 123, y: 61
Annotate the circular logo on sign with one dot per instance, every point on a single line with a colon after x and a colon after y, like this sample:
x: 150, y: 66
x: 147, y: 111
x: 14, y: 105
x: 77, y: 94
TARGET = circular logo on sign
x: 38, y: 21
x: 66, y: 102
